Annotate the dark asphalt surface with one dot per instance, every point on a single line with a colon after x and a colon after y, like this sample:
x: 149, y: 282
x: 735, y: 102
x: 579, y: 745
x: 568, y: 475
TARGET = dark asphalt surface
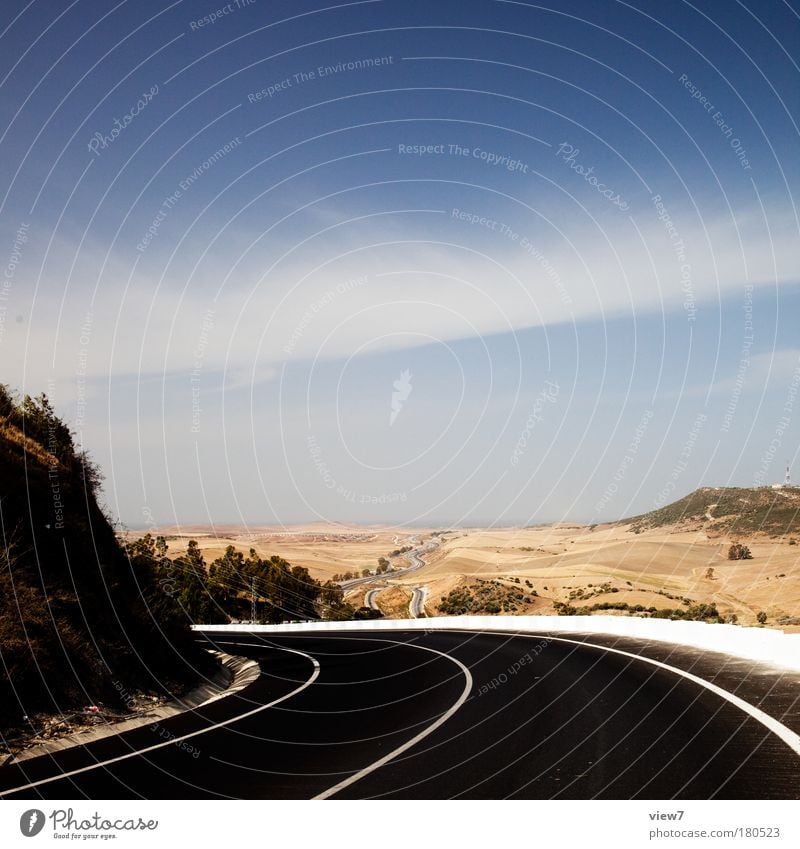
x: 571, y: 722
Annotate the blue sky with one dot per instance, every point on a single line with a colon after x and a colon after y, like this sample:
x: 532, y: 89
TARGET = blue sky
x: 228, y: 231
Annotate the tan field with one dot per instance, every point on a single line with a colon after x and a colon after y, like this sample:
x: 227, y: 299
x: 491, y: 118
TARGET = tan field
x: 393, y: 602
x: 324, y: 549
x: 568, y: 564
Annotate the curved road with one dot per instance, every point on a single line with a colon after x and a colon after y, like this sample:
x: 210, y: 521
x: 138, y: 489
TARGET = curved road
x: 416, y: 607
x: 412, y: 557
x: 439, y: 715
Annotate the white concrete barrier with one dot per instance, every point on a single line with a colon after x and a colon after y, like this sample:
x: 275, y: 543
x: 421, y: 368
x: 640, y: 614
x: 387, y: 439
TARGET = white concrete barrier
x: 765, y: 645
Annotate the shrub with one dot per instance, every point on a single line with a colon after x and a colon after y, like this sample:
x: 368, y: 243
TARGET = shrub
x: 761, y: 618
x: 737, y: 551
x: 367, y: 613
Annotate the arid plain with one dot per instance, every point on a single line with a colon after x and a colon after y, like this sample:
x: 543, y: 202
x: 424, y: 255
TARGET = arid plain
x: 617, y: 569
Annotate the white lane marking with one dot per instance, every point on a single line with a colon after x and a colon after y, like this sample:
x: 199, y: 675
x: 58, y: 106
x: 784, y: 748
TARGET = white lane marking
x: 775, y: 726
x: 173, y: 740
x: 414, y: 740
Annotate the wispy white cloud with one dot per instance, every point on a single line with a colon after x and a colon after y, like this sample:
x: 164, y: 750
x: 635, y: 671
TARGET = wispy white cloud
x: 386, y: 287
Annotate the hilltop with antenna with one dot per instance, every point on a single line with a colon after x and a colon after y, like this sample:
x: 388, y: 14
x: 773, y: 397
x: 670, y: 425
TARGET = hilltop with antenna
x: 787, y: 480
x: 772, y: 511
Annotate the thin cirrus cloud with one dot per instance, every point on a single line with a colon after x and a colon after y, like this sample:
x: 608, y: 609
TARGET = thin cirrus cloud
x: 384, y: 287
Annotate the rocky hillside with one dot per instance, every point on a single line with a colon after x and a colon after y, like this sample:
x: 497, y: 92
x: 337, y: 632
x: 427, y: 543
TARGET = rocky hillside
x: 76, y: 623
x: 729, y: 511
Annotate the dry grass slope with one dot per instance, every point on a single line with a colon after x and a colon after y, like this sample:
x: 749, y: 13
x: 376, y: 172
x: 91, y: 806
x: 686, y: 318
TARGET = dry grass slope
x: 729, y: 510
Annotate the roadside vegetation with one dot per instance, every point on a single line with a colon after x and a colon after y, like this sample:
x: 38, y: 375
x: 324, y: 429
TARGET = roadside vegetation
x: 225, y: 589
x: 76, y: 622
x: 693, y: 613
x: 83, y: 617
x: 485, y: 597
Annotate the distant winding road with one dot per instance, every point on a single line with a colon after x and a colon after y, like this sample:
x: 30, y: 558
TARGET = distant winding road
x: 437, y: 715
x: 414, y: 560
x: 416, y: 607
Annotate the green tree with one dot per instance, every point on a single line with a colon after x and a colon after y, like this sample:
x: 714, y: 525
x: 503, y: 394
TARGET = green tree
x: 40, y: 422
x: 194, y: 595
x: 331, y: 605
x: 156, y: 577
x: 227, y: 580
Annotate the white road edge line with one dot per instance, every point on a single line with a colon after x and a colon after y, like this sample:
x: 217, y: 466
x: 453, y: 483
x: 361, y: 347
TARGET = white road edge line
x: 775, y: 726
x: 357, y: 776
x: 173, y: 740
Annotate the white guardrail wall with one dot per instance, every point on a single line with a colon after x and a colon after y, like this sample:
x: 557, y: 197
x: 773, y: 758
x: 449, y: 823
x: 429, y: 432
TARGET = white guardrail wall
x: 765, y: 645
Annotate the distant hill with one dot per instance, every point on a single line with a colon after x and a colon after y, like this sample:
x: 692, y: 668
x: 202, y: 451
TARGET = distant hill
x: 728, y: 511
x: 76, y: 623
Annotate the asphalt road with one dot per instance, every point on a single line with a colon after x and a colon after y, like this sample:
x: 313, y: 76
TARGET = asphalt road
x: 412, y: 557
x: 369, y: 599
x: 416, y: 607
x: 436, y: 715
